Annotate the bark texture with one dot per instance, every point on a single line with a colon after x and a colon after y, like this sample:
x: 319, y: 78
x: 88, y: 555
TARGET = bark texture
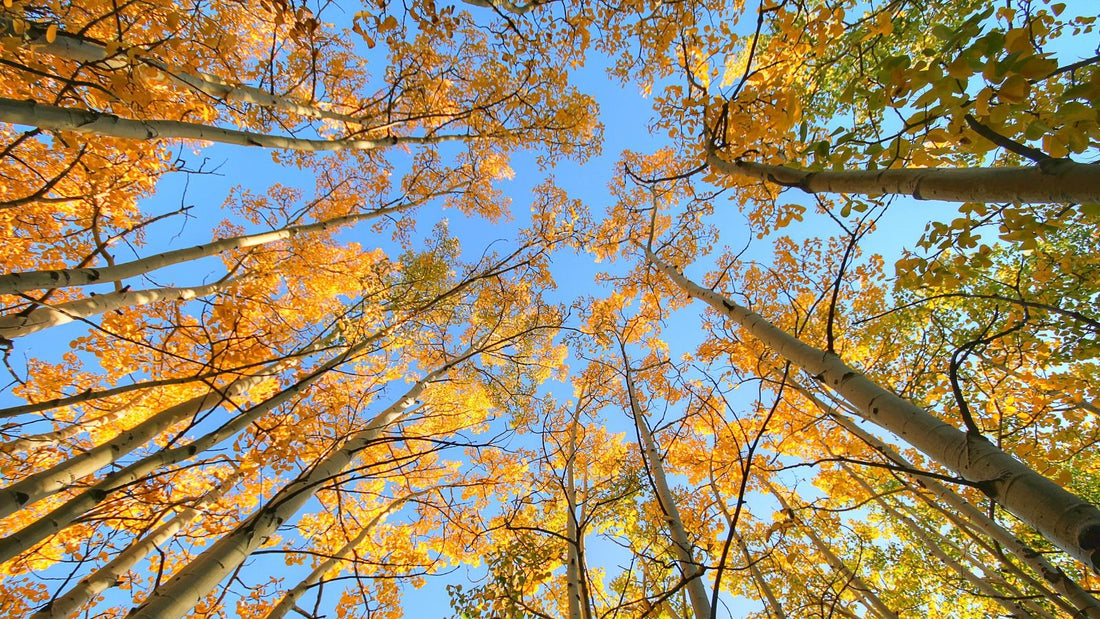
x: 61, y: 278
x: 67, y: 604
x: 66, y: 513
x: 1054, y: 181
x: 691, y: 570
x: 1080, y: 602
x: 56, y: 118
x: 46, y: 316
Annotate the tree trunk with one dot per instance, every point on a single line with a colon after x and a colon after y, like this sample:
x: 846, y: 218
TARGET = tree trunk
x: 1065, y: 519
x: 980, y: 584
x: 690, y: 569
x: 861, y: 589
x: 56, y: 118
x: 178, y: 596
x: 75, y: 507
x: 290, y: 599
x: 1028, y: 601
x: 69, y: 472
x: 1083, y: 603
x: 84, y: 50
x: 575, y: 588
x: 97, y: 582
x: 773, y: 605
x: 1055, y: 181
x: 12, y: 283
x: 46, y: 316
x: 54, y: 439
x: 89, y: 395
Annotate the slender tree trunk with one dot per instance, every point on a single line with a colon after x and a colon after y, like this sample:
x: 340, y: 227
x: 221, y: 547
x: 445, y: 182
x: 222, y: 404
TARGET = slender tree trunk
x: 575, y: 590
x: 55, y: 438
x: 12, y: 283
x: 179, y: 595
x: 67, y: 473
x: 89, y: 395
x: 78, y: 505
x: 774, y: 607
x: 861, y: 589
x: 796, y: 583
x: 1056, y: 181
x: 690, y: 569
x: 46, y: 316
x: 1065, y: 519
x: 989, y: 574
x: 1081, y: 602
x: 85, y: 50
x: 290, y: 599
x: 772, y: 603
x: 66, y: 605
x: 56, y: 118
x: 980, y: 584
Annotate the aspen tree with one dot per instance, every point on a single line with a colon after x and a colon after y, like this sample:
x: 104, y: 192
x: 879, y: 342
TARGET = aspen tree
x: 576, y: 588
x: 88, y: 51
x: 58, y: 118
x: 1062, y: 181
x: 1083, y: 603
x: 1066, y: 520
x: 46, y: 316
x: 69, y: 472
x: 933, y: 546
x: 690, y: 569
x: 110, y: 573
x: 864, y: 592
x: 290, y: 599
x: 62, y: 278
x: 773, y: 605
x: 179, y: 595
x: 73, y: 508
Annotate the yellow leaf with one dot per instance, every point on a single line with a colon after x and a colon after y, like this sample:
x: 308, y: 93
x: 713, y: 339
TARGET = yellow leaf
x: 1014, y: 90
x: 51, y: 33
x: 387, y: 24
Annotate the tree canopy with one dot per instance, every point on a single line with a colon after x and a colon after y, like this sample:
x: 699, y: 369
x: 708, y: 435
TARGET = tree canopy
x: 308, y: 306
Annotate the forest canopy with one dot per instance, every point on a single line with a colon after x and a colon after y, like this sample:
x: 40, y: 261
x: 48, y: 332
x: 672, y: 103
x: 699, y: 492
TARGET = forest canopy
x: 655, y: 308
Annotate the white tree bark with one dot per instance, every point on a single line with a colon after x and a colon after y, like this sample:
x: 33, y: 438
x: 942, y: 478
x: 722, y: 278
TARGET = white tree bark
x: 773, y: 605
x: 1065, y: 519
x: 84, y: 50
x: 56, y: 118
x: 577, y: 600
x: 67, y: 604
x: 690, y: 569
x: 178, y: 596
x: 41, y: 280
x: 1058, y: 181
x: 55, y: 438
x: 46, y: 316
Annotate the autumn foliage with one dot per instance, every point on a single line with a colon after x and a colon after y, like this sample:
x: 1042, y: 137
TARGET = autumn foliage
x: 307, y: 306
